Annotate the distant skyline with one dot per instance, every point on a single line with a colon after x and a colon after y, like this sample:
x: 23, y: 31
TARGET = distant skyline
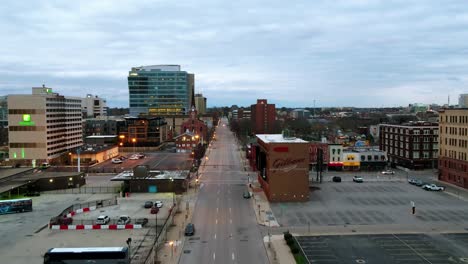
x: 361, y: 53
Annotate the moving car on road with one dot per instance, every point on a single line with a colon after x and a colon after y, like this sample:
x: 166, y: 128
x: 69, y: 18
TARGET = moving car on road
x: 433, y: 187
x: 190, y: 229
x: 102, y: 220
x: 388, y: 172
x: 336, y: 179
x: 154, y: 210
x: 358, y: 179
x: 246, y: 195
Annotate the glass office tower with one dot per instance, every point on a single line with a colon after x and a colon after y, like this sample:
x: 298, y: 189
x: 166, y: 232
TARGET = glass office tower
x: 160, y: 90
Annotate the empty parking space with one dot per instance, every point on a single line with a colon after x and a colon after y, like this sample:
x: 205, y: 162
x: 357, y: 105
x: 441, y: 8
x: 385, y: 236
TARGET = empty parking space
x: 384, y: 248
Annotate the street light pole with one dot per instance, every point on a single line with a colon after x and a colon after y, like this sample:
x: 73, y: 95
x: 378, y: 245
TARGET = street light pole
x: 134, y: 141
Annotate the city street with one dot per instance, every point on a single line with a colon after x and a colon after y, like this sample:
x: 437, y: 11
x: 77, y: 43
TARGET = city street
x: 226, y: 229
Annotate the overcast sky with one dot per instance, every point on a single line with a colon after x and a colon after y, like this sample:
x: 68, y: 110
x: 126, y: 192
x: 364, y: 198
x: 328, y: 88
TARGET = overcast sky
x: 336, y: 52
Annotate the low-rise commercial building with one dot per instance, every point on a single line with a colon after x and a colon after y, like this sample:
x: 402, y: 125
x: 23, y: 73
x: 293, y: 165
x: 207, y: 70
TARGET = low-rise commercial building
x: 413, y: 145
x: 283, y: 167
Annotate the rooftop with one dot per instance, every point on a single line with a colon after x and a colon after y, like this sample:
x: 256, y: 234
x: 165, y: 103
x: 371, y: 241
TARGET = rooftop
x: 154, y: 175
x: 278, y: 138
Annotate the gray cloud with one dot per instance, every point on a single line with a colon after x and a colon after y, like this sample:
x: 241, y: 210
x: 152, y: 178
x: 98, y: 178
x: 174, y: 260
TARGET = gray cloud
x: 345, y: 52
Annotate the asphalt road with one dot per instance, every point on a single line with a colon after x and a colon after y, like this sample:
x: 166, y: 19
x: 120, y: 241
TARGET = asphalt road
x: 226, y: 229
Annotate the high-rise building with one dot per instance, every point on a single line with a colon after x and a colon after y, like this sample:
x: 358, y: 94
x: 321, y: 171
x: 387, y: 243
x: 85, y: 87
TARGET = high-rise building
x: 200, y: 103
x: 3, y: 111
x: 412, y: 145
x: 43, y: 125
x: 263, y: 116
x: 463, y: 101
x: 93, y: 106
x: 160, y: 90
x: 453, y: 154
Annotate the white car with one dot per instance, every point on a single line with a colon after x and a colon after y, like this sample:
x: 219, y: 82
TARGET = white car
x: 133, y: 158
x: 158, y: 204
x: 433, y: 187
x: 123, y: 220
x: 102, y: 220
x: 116, y: 161
x: 388, y: 172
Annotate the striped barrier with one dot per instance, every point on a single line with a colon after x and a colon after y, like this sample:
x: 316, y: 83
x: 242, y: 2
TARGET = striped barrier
x: 82, y: 210
x: 95, y: 227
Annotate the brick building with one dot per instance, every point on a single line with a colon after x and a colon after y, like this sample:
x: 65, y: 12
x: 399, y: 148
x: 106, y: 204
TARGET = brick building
x: 283, y: 167
x: 142, y: 131
x: 413, y: 145
x: 453, y: 154
x: 314, y: 148
x: 195, y: 126
x: 263, y: 116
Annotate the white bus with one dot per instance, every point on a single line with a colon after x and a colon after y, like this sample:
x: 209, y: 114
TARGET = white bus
x: 95, y: 255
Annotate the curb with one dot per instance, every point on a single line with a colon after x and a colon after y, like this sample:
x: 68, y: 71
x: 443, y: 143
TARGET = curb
x: 82, y: 210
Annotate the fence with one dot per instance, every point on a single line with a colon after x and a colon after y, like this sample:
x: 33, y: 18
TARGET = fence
x: 75, y: 207
x: 86, y: 189
x: 146, y: 251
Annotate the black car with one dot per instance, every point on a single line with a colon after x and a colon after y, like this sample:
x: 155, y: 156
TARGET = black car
x: 190, y: 229
x: 336, y: 179
x: 419, y: 183
x: 148, y: 204
x: 141, y: 221
x: 246, y: 195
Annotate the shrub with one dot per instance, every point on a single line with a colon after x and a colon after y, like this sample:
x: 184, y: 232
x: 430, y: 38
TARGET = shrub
x: 294, y: 249
x: 287, y: 235
x: 290, y: 242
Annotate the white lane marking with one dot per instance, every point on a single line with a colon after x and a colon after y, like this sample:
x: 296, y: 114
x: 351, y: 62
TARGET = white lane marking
x: 214, y: 256
x: 215, y: 236
x: 216, y: 221
x: 230, y: 221
x: 230, y: 209
x: 217, y: 209
x: 230, y: 236
x: 233, y: 257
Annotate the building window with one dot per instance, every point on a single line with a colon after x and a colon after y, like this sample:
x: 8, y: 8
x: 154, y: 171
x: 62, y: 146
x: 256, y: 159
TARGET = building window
x: 415, y: 154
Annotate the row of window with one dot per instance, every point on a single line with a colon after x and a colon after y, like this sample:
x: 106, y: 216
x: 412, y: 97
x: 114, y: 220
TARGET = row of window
x: 26, y: 128
x: 416, y: 154
x: 453, y: 154
x: 26, y: 111
x: 454, y: 165
x: 27, y: 145
x: 462, y: 131
x: 455, y: 119
x: 413, y: 131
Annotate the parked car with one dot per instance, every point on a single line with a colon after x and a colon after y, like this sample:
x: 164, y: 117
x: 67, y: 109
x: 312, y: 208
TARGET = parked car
x: 148, y: 204
x: 412, y: 181
x: 419, y: 183
x: 154, y: 210
x: 61, y: 220
x: 246, y: 195
x: 116, y: 161
x: 190, y: 229
x: 102, y: 220
x: 433, y: 187
x: 140, y: 155
x: 141, y: 221
x: 133, y: 157
x: 43, y: 166
x: 358, y: 179
x: 124, y: 219
x: 122, y: 158
x: 158, y: 204
x: 336, y: 179
x: 388, y: 172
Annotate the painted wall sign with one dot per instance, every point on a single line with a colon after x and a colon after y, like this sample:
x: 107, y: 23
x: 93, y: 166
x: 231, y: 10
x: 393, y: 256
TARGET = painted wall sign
x: 287, y: 164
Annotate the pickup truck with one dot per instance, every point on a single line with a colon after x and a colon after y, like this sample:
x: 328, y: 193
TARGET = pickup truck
x: 433, y: 187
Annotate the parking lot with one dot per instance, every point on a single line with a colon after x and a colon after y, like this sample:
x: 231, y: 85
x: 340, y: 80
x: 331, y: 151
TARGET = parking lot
x: 133, y: 207
x: 373, y: 204
x: 156, y: 161
x: 386, y: 248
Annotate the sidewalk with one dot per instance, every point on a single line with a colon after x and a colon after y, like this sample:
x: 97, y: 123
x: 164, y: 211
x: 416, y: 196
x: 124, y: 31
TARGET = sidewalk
x: 170, y: 252
x: 278, y: 251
